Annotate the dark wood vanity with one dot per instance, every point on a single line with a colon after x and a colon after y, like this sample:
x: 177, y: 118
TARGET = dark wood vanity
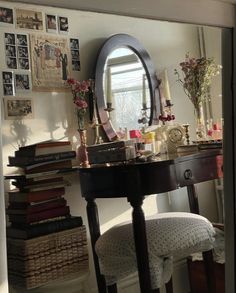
x: 136, y: 180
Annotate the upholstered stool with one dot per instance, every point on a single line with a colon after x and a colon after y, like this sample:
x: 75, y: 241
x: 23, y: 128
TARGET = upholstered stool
x: 169, y: 235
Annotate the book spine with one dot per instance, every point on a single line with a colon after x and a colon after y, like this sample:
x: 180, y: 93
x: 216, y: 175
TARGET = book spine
x: 23, y: 232
x: 37, y: 217
x: 36, y: 196
x: 26, y: 161
x: 12, y: 210
x: 48, y: 167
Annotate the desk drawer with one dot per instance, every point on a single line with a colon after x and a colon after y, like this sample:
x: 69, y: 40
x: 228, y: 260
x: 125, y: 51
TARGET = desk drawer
x: 203, y: 169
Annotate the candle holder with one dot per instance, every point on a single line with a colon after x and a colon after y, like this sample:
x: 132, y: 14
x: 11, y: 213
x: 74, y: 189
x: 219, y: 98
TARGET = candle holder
x: 144, y: 116
x: 186, y: 130
x: 167, y: 115
x: 109, y: 109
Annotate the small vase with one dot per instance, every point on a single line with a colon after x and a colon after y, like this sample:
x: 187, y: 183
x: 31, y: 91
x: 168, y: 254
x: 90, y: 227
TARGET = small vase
x: 82, y: 154
x: 199, y: 123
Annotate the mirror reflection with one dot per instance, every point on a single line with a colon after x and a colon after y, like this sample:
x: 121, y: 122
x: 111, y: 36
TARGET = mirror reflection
x: 126, y: 89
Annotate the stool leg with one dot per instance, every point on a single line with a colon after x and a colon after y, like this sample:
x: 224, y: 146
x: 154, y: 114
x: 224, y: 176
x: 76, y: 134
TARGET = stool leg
x: 112, y: 288
x: 209, y: 268
x: 169, y: 286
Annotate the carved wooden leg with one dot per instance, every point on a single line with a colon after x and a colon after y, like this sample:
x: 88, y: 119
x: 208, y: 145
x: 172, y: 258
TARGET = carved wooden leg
x: 169, y: 286
x: 94, y: 228
x: 193, y: 199
x: 112, y: 289
x: 210, y: 271
x: 140, y: 239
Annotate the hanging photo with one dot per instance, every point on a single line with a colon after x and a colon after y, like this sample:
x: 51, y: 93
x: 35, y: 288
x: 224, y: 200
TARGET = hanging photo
x: 11, y: 62
x: 51, y: 62
x: 21, y: 40
x: 51, y: 23
x: 10, y: 39
x: 74, y: 44
x: 75, y: 55
x: 7, y: 82
x: 10, y: 51
x: 22, y: 82
x: 75, y: 65
x: 18, y: 108
x: 29, y: 19
x: 6, y: 16
x: 63, y: 24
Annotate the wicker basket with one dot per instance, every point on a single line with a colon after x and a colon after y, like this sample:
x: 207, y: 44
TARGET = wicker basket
x: 37, y: 261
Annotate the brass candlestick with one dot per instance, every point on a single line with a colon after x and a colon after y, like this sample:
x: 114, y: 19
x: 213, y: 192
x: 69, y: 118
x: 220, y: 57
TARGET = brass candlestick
x: 186, y: 129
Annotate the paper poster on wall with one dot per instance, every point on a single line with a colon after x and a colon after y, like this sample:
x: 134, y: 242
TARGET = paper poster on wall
x: 29, y: 19
x: 51, y: 62
x: 6, y: 16
x: 18, y: 108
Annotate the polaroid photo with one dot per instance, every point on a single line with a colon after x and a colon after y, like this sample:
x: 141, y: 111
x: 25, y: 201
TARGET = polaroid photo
x: 7, y: 77
x: 75, y: 65
x: 51, y: 23
x: 22, y: 82
x: 9, y: 39
x: 74, y: 44
x: 23, y: 63
x: 63, y: 25
x: 21, y: 40
x: 11, y: 62
x: 6, y: 16
x: 29, y: 19
x: 18, y: 108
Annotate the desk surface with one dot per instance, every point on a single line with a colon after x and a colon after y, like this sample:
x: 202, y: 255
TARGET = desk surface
x: 165, y: 174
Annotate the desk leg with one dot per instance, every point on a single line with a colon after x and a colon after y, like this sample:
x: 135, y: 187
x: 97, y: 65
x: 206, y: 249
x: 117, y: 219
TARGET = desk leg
x: 94, y: 228
x: 193, y: 199
x: 140, y: 239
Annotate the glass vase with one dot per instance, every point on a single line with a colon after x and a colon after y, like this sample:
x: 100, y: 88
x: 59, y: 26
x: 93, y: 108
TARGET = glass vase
x: 200, y: 123
x: 82, y: 154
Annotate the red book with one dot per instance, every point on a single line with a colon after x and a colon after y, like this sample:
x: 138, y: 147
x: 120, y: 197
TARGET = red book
x: 35, y: 196
x: 37, y: 217
x: 26, y: 209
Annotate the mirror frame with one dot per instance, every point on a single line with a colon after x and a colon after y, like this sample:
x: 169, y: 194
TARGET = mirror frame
x: 127, y: 41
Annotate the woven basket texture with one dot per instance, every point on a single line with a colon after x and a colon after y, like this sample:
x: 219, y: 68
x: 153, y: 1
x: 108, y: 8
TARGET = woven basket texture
x: 35, y: 262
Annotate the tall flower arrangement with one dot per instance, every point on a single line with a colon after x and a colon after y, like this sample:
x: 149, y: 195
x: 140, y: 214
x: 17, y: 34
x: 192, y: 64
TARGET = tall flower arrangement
x: 79, y: 90
x: 196, y: 77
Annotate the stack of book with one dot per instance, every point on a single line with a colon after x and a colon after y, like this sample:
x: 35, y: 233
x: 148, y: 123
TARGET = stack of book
x: 36, y: 204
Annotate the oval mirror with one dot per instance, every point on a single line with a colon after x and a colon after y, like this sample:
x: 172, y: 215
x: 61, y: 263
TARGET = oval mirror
x: 125, y: 86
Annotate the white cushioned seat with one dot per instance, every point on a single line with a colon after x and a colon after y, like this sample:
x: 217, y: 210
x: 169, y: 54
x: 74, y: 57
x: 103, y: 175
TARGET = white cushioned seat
x: 168, y: 234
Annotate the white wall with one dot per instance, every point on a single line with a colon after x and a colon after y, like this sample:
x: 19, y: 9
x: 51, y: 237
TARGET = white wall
x: 166, y: 43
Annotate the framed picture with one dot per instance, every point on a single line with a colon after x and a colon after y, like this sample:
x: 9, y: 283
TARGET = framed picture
x: 7, y: 77
x: 51, y: 62
x: 22, y: 82
x: 63, y: 24
x: 29, y: 19
x: 51, y: 23
x: 18, y: 108
x: 6, y: 16
x: 75, y: 65
x: 11, y: 62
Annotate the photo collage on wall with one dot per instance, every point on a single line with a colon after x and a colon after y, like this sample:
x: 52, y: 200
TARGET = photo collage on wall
x: 17, y: 51
x: 75, y: 55
x: 57, y: 55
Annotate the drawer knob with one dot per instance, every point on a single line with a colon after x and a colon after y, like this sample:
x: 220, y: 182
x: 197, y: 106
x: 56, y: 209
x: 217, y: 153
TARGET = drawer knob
x: 188, y: 174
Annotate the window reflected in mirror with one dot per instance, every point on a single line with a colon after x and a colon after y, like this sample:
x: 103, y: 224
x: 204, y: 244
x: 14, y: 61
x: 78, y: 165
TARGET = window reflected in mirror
x: 126, y: 88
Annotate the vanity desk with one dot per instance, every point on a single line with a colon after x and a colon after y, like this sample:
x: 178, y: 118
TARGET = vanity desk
x: 136, y: 180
